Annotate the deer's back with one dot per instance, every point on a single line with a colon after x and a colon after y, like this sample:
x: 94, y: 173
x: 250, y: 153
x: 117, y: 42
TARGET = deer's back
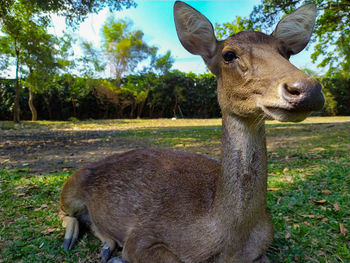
x: 158, y: 189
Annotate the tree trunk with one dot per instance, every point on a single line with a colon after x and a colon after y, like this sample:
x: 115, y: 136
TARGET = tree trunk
x: 48, y: 105
x: 140, y: 109
x: 132, y: 111
x: 16, y: 109
x: 31, y: 105
x: 74, y: 102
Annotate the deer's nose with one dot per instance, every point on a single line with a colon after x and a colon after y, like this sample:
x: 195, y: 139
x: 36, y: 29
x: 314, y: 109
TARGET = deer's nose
x: 303, y: 95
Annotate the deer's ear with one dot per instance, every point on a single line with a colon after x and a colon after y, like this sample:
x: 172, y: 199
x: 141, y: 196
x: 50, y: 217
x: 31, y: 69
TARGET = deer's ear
x: 194, y: 30
x: 296, y: 28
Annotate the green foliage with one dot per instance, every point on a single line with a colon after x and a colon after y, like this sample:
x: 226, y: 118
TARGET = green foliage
x: 24, y: 24
x: 90, y: 63
x: 142, y: 95
x: 337, y: 93
x: 145, y: 95
x: 125, y: 48
x: 74, y: 11
x: 7, y: 94
x: 164, y: 63
x: 36, y: 54
x: 336, y: 90
x: 240, y: 24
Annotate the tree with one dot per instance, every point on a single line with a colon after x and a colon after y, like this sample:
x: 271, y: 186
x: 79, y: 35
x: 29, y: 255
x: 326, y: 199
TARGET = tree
x: 90, y: 63
x: 164, y: 62
x: 36, y: 53
x: 239, y: 24
x: 74, y: 11
x: 332, y: 28
x: 18, y: 17
x: 12, y: 44
x: 124, y: 47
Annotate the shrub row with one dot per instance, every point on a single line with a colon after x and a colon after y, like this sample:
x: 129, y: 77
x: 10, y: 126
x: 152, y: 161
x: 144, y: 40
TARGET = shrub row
x: 175, y: 94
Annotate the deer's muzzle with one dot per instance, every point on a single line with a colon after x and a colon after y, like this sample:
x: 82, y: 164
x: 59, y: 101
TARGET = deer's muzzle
x: 303, y: 95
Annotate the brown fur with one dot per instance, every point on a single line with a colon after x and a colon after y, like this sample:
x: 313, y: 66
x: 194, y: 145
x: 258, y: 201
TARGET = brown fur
x: 166, y: 206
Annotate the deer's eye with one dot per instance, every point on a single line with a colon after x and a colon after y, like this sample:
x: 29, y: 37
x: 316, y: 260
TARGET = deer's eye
x: 229, y: 56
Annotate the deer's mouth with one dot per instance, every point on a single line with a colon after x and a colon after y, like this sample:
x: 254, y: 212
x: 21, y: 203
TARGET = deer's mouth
x: 284, y: 114
x: 296, y: 101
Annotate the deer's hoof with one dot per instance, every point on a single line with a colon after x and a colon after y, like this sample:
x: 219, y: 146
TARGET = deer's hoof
x: 106, y: 253
x: 117, y: 260
x: 69, y: 243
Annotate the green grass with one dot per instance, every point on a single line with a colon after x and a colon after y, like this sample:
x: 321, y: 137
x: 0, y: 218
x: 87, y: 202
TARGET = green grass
x: 308, y: 162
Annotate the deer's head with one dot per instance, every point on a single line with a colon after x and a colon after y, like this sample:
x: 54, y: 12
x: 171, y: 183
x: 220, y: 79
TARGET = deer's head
x: 254, y: 74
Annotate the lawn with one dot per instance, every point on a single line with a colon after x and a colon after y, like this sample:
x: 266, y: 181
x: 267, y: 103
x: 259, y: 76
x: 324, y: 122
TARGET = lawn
x: 309, y: 181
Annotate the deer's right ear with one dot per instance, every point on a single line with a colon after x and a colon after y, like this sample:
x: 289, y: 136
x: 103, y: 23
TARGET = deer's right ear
x: 194, y: 30
x: 296, y: 28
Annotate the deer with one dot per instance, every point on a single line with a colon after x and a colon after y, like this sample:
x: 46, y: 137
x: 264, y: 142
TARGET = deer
x: 167, y: 206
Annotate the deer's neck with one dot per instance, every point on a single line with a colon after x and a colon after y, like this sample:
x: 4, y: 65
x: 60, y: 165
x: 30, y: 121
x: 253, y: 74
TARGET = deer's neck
x: 241, y: 189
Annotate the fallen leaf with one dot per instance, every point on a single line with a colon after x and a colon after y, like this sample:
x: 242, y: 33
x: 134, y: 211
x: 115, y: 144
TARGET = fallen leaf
x: 320, y: 202
x: 306, y: 223
x: 326, y: 192
x: 343, y: 230
x: 273, y: 189
x: 295, y: 226
x: 20, y: 187
x: 336, y: 206
x: 49, y: 230
x: 285, y: 169
x: 319, y: 149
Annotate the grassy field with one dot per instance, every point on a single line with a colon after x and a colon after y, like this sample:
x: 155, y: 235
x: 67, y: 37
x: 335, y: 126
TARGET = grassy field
x: 309, y: 185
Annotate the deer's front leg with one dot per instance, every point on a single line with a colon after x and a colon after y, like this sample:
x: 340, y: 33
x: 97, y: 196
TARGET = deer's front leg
x: 260, y: 239
x: 72, y: 231
x: 108, y: 245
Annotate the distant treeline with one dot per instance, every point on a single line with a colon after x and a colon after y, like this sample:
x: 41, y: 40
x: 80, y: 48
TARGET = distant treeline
x: 174, y: 94
x: 144, y: 95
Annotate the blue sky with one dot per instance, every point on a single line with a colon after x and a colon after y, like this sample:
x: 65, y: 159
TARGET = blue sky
x: 155, y: 19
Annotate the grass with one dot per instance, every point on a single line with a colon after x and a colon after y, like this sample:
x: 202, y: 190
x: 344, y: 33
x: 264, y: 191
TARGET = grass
x: 309, y: 183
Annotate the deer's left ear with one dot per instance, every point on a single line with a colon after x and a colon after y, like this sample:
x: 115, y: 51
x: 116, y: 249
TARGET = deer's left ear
x: 296, y: 28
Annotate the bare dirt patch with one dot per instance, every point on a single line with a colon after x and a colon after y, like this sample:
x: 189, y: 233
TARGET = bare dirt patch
x: 54, y: 151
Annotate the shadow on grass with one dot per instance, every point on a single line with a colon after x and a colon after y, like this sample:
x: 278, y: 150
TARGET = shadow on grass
x: 54, y: 150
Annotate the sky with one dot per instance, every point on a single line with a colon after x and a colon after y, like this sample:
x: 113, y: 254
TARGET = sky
x: 155, y: 19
